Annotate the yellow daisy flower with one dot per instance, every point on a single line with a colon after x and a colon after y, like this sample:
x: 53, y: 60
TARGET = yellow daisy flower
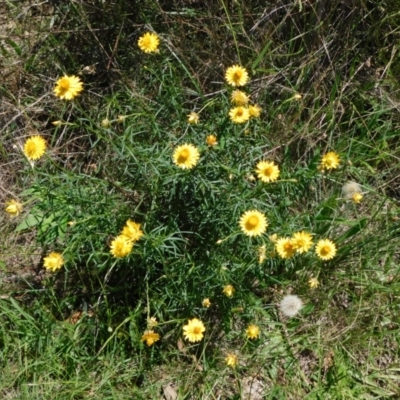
x: 330, y: 160
x: 132, y: 231
x: 34, y: 147
x: 253, y: 331
x: 68, y: 87
x: 285, y: 247
x: 253, y: 223
x: 121, y: 247
x: 236, y: 76
x: 267, y: 171
x: 13, y: 207
x: 239, y: 98
x: 149, y: 42
x: 53, y: 262
x: 211, y: 140
x: 186, y: 156
x: 193, y: 331
x: 357, y: 197
x: 228, y: 290
x: 255, y: 111
x: 239, y: 115
x: 231, y: 360
x: 206, y: 303
x: 313, y: 283
x: 193, y: 118
x: 325, y: 249
x: 302, y: 241
x: 150, y: 337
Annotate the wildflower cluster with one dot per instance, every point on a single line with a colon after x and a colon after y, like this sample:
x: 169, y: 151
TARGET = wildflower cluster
x: 248, y: 214
x: 243, y: 111
x: 122, y: 245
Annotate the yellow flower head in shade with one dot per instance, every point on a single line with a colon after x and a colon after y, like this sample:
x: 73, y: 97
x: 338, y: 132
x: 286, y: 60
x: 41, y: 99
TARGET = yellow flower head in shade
x: 186, y: 156
x: 231, y: 360
x: 357, y: 197
x: 53, y: 262
x: 151, y: 322
x: 325, y: 249
x: 13, y: 207
x: 105, y: 123
x: 149, y: 42
x: 132, y: 231
x: 262, y: 254
x: 267, y: 171
x: 273, y: 238
x: 239, y: 98
x: 255, y: 111
x: 68, y: 87
x: 193, y: 118
x: 236, y: 76
x: 239, y: 115
x: 330, y: 160
x: 285, y: 247
x: 121, y: 247
x: 253, y: 223
x: 253, y: 331
x: 302, y: 241
x: 206, y: 303
x: 313, y: 283
x: 34, y: 147
x: 193, y: 331
x: 150, y: 337
x: 211, y: 140
x: 228, y: 290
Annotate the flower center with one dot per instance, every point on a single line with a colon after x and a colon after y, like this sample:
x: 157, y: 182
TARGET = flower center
x: 268, y: 171
x: 183, y: 156
x: 239, y: 113
x: 31, y: 148
x: 325, y: 250
x: 288, y: 246
x: 252, y: 222
x: 196, y: 330
x: 64, y: 84
x: 237, y: 75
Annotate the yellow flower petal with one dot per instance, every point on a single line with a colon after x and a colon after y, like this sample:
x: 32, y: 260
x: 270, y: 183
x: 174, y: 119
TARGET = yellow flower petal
x: 186, y: 156
x: 253, y: 223
x: 325, y: 249
x: 149, y: 42
x: 13, y: 207
x: 239, y: 115
x: 68, y: 87
x: 193, y: 331
x: 53, y: 262
x: 267, y: 171
x: 236, y: 76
